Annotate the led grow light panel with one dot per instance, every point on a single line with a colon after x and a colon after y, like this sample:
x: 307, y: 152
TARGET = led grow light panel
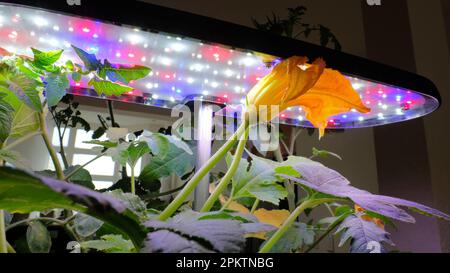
x: 183, y: 68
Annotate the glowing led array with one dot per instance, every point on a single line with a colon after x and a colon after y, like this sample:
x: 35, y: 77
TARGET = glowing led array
x: 184, y: 67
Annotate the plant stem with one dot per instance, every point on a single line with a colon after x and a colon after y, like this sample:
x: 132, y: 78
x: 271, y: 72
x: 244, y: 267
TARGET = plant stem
x: 287, y: 184
x: 190, y: 186
x: 10, y: 248
x: 111, y: 113
x: 21, y: 140
x: 26, y: 221
x: 290, y: 220
x: 255, y: 206
x: 72, y: 173
x: 133, y: 184
x: 323, y: 236
x: 62, y: 152
x: 51, y: 150
x: 3, y: 242
x: 228, y: 176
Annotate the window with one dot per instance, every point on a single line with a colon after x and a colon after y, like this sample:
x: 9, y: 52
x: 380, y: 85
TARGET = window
x: 104, y: 170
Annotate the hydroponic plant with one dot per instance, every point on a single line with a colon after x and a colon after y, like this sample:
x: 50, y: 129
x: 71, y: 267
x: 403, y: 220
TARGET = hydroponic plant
x: 40, y: 209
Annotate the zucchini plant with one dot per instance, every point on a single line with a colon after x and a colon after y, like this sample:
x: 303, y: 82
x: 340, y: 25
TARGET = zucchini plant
x: 39, y: 208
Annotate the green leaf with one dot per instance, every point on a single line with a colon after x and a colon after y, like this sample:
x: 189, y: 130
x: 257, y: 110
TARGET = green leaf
x: 25, y: 120
x: 119, y: 153
x: 57, y: 85
x: 11, y: 157
x: 82, y: 177
x: 110, y: 244
x: 124, y: 74
x: 176, y: 161
x: 86, y: 225
x: 105, y: 144
x: 6, y: 118
x: 259, y: 180
x: 38, y: 238
x: 109, y: 88
x: 22, y: 192
x: 136, y: 150
x: 323, y: 153
x: 132, y: 202
x: 76, y: 76
x: 70, y: 65
x: 25, y: 88
x: 89, y: 60
x: 293, y: 239
x: 44, y: 59
x: 158, y: 143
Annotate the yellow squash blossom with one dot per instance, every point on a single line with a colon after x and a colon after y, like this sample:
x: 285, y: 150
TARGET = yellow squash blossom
x: 320, y: 91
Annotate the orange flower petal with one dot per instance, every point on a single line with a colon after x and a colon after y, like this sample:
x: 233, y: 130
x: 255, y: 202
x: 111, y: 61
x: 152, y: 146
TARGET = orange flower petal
x: 333, y: 94
x: 271, y: 217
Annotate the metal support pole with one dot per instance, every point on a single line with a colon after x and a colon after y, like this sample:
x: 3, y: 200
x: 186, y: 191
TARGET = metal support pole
x: 204, y: 126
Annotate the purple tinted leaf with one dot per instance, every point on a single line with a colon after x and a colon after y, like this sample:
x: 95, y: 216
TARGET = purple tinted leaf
x: 322, y: 179
x: 363, y: 234
x: 165, y: 241
x: 82, y: 195
x: 229, y: 238
x: 24, y: 192
x: 257, y: 227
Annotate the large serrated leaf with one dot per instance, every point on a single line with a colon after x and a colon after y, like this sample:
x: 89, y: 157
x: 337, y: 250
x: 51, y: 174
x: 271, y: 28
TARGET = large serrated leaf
x: 175, y: 161
x: 109, y: 88
x: 44, y: 59
x: 293, y: 239
x: 22, y: 192
x: 229, y: 238
x: 6, y: 118
x: 124, y: 74
x: 57, y: 85
x: 260, y: 180
x: 363, y: 233
x: 110, y: 244
x: 322, y: 179
x: 165, y: 241
x: 25, y: 88
x: 90, y: 60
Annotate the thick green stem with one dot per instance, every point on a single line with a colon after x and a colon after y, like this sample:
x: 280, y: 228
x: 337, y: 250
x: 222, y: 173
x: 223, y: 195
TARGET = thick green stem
x: 133, y: 183
x: 3, y: 242
x: 290, y: 220
x: 228, y: 176
x: 255, y: 206
x: 190, y: 186
x: 51, y: 150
